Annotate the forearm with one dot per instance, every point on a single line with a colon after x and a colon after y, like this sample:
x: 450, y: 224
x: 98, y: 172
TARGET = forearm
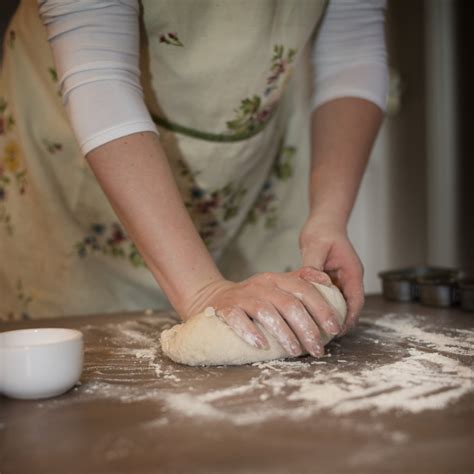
x: 343, y: 133
x: 136, y: 177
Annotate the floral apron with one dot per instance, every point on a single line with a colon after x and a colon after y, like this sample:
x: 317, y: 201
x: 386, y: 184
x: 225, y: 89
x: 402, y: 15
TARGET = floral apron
x: 216, y: 78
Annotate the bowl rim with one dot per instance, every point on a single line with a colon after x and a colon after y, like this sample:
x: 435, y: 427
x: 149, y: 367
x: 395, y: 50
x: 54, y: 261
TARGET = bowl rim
x: 69, y: 336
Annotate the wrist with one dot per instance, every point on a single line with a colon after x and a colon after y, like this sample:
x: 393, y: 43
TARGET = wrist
x: 328, y: 219
x: 319, y: 229
x: 198, y: 301
x: 183, y: 287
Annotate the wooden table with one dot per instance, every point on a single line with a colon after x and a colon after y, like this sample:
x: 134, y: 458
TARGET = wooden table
x: 396, y: 395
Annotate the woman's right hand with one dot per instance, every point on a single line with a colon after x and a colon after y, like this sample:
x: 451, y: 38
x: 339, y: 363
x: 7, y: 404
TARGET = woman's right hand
x: 287, y: 305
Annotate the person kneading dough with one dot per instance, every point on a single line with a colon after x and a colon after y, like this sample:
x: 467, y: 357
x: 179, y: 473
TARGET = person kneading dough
x: 198, y: 170
x: 206, y: 339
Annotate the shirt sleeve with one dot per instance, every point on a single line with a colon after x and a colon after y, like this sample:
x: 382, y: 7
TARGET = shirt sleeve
x: 95, y: 44
x: 349, y: 54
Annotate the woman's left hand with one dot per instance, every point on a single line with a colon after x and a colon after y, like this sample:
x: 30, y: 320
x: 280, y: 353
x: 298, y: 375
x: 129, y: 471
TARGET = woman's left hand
x: 325, y: 246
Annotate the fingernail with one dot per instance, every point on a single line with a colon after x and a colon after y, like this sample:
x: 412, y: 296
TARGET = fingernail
x: 316, y: 350
x: 295, y: 350
x: 331, y: 327
x: 263, y: 344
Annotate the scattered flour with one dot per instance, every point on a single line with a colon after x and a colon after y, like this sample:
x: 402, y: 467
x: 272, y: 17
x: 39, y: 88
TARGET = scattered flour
x: 430, y: 371
x: 420, y: 381
x: 402, y: 327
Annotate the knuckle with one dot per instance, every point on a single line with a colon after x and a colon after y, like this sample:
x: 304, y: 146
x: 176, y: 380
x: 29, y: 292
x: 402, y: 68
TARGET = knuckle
x: 293, y: 305
x: 234, y: 317
x: 267, y: 319
x: 265, y: 315
x: 259, y: 305
x: 227, y: 314
x: 265, y: 280
x: 323, y: 313
x: 310, y: 270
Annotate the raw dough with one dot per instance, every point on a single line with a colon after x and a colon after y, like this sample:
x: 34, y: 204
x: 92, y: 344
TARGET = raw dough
x: 205, y: 339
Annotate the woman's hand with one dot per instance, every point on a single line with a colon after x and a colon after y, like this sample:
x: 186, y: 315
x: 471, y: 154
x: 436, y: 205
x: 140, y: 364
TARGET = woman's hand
x: 287, y: 305
x: 343, y: 132
x: 325, y: 246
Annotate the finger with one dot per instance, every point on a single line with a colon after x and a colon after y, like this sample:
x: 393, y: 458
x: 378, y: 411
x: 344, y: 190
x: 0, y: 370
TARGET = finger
x: 354, y: 308
x: 314, y: 276
x: 353, y: 290
x: 319, y: 309
x: 243, y: 326
x: 267, y: 315
x: 299, y: 320
x: 315, y: 254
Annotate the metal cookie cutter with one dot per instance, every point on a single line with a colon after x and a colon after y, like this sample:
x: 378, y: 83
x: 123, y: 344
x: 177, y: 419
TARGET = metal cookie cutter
x: 438, y: 290
x: 408, y: 284
x: 466, y: 293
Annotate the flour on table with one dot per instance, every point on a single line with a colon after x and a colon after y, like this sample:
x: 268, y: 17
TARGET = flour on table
x: 433, y: 370
x: 131, y: 340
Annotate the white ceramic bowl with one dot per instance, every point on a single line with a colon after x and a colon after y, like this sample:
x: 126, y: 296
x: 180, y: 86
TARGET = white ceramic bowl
x: 39, y: 363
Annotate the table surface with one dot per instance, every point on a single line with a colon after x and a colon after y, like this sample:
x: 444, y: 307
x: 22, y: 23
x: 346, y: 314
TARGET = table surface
x: 396, y: 395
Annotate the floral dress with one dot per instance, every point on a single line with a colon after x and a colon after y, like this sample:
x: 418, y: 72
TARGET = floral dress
x: 229, y: 92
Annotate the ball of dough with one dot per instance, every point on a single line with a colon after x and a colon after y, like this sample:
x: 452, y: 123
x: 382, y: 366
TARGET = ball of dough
x: 205, y: 339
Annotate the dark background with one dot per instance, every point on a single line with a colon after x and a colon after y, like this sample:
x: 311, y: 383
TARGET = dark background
x: 464, y: 49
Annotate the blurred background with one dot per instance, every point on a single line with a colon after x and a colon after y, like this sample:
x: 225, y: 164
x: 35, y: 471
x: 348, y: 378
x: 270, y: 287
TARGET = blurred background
x: 416, y: 204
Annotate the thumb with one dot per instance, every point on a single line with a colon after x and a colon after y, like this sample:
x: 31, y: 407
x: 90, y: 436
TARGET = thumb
x: 314, y: 254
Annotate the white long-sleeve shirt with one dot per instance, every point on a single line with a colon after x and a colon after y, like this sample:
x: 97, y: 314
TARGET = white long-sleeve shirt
x: 95, y: 45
